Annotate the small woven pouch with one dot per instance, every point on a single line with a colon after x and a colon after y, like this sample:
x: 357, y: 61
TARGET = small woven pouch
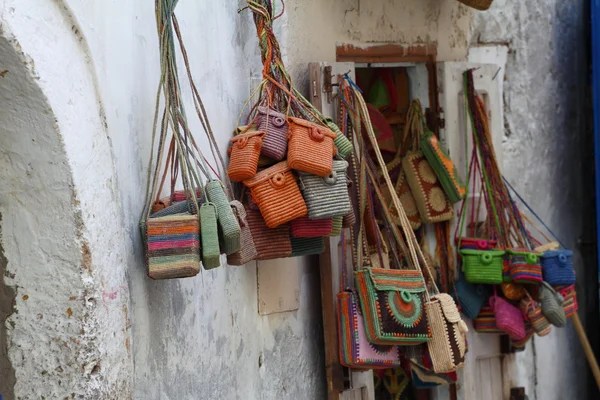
x: 309, y: 228
x: 270, y: 243
x: 443, y: 166
x: 558, y: 268
x: 447, y: 346
x: 247, y: 251
x: 570, y: 304
x: 326, y: 197
x: 513, y: 291
x: 307, y: 246
x: 485, y: 322
x: 476, y: 244
x: 342, y: 143
x: 211, y: 253
x: 524, y: 266
x: 532, y: 310
x: 508, y: 318
x: 275, y: 142
x: 276, y: 192
x: 310, y: 147
x: 552, y: 305
x: 229, y: 228
x: 471, y: 297
x: 482, y: 266
x: 243, y: 155
x: 336, y: 226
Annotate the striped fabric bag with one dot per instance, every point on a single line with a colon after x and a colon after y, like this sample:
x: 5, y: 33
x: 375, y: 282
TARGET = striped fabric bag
x: 524, y: 266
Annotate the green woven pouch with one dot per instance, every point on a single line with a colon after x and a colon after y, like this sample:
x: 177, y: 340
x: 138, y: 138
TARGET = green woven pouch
x: 307, y: 246
x: 482, y: 266
x: 228, y: 223
x: 342, y: 143
x: 338, y: 223
x: 444, y: 168
x: 211, y: 255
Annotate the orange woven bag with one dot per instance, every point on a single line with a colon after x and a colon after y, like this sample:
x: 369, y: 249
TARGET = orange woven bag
x: 276, y: 192
x: 310, y: 147
x: 243, y: 155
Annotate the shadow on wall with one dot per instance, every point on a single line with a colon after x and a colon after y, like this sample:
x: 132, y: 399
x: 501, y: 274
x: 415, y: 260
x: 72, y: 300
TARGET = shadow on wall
x: 7, y: 302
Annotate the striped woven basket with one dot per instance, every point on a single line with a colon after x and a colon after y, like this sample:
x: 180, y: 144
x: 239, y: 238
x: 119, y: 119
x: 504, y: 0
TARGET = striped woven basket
x: 307, y: 246
x: 326, y: 197
x: 275, y: 142
x: 243, y: 155
x: 570, y: 304
x: 310, y: 147
x: 270, y: 243
x: 276, y: 192
x: 211, y: 253
x: 309, y: 228
x: 485, y: 322
x: 533, y: 311
x: 524, y: 266
x: 228, y: 223
x: 172, y: 246
x: 247, y: 250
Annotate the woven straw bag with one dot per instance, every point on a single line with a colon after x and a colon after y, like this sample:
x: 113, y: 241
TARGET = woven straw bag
x: 336, y: 226
x: 342, y: 143
x: 172, y: 246
x: 471, y: 297
x: 443, y: 166
x: 307, y: 246
x: 508, y: 318
x: 393, y: 304
x: 532, y: 310
x: 275, y: 141
x: 211, y: 253
x: 309, y: 228
x: 481, y: 5
x: 447, y: 346
x: 483, y: 266
x: 276, y: 193
x: 270, y: 243
x: 227, y: 221
x: 552, y: 305
x: 513, y: 291
x: 406, y: 199
x: 524, y: 266
x: 326, y: 197
x: 570, y: 304
x: 485, y: 322
x: 243, y: 155
x: 354, y: 348
x: 558, y: 268
x: 432, y: 202
x: 310, y: 147
x: 247, y: 250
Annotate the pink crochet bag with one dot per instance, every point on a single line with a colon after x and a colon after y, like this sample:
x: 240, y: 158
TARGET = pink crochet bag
x: 508, y: 318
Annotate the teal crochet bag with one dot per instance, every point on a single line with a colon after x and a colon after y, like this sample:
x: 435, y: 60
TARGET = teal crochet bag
x: 227, y: 222
x: 482, y: 266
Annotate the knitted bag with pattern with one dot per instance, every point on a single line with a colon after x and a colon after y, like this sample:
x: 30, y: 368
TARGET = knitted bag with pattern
x: 270, y: 243
x: 326, y: 197
x: 354, y: 348
x: 275, y: 190
x: 475, y: 244
x: 524, y: 266
x: 393, y: 304
x: 443, y: 166
x: 486, y: 321
x: 570, y: 304
x: 558, y: 267
x: 309, y: 228
x: 552, y: 305
x: 310, y: 147
x: 483, y: 266
x: 432, y: 202
x: 508, y: 318
x: 532, y: 310
x: 247, y: 250
x: 447, y: 346
x: 229, y: 227
x: 275, y: 143
x: 243, y: 155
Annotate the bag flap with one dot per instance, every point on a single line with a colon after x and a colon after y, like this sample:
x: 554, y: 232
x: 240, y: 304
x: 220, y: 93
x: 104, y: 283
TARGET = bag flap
x: 407, y: 280
x: 448, y: 306
x: 268, y: 173
x: 309, y: 126
x: 243, y: 137
x: 276, y: 118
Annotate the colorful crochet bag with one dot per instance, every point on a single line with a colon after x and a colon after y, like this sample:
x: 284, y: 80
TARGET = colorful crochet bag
x: 393, y: 303
x: 508, y: 318
x: 558, y: 267
x: 475, y: 244
x: 229, y: 228
x: 513, y: 291
x: 532, y: 310
x: 485, y: 322
x: 275, y: 142
x: 447, y: 346
x: 482, y: 266
x: 524, y: 266
x: 570, y: 304
x: 270, y: 243
x: 304, y: 227
x: 552, y: 305
x: 247, y: 251
x: 443, y: 166
x: 310, y: 147
x: 326, y: 197
x: 307, y: 246
x: 276, y: 192
x: 243, y: 155
x: 471, y: 297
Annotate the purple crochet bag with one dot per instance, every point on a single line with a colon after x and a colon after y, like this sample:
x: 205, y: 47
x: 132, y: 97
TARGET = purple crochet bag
x: 508, y: 318
x: 275, y: 125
